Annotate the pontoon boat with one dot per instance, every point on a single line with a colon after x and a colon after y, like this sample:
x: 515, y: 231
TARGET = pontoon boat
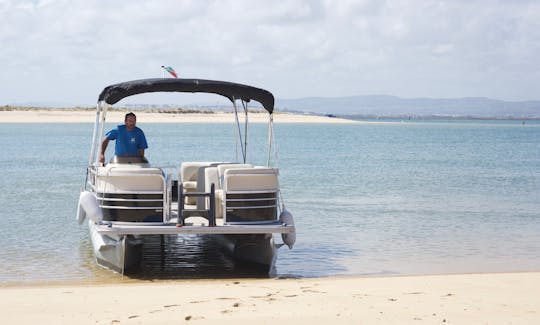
x: 238, y: 203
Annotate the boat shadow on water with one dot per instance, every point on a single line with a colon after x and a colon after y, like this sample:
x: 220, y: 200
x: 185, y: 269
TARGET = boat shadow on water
x: 166, y: 257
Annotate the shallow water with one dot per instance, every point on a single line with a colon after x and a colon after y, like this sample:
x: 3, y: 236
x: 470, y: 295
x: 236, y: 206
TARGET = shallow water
x: 401, y: 198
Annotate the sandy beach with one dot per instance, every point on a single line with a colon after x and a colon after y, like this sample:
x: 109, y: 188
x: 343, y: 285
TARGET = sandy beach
x: 73, y: 116
x: 506, y: 298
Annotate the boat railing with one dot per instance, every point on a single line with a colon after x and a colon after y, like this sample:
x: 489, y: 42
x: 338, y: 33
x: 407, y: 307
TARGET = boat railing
x: 250, y: 206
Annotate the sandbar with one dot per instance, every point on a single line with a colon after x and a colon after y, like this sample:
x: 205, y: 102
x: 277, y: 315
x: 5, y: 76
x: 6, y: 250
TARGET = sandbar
x: 87, y: 116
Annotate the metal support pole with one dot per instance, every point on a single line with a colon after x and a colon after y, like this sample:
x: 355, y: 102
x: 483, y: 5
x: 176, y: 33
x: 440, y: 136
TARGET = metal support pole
x: 180, y: 221
x: 212, y: 216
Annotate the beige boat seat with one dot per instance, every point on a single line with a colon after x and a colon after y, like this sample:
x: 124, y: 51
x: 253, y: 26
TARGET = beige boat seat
x: 221, y: 169
x: 124, y: 177
x: 248, y: 195
x: 132, y: 193
x: 250, y: 179
x: 211, y: 175
x: 189, y: 176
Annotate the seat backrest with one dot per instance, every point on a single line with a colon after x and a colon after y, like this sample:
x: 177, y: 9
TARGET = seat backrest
x: 129, y: 178
x: 250, y: 179
x: 204, y: 183
x: 190, y: 170
x: 222, y: 168
x: 211, y: 175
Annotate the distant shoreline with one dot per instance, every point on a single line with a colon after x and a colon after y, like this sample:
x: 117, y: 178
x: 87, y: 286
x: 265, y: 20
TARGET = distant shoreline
x: 85, y: 115
x: 189, y: 113
x: 438, y: 117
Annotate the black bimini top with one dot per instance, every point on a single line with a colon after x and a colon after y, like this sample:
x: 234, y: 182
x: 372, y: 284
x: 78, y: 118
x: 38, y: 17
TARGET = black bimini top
x: 114, y: 93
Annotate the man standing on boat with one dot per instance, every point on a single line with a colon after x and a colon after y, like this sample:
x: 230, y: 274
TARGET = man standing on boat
x: 130, y: 140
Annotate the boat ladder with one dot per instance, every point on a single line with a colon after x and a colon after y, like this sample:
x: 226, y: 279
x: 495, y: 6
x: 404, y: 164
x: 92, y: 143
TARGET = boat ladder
x: 208, y: 214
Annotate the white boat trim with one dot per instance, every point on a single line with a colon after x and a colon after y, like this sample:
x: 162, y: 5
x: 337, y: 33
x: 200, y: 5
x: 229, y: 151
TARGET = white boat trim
x: 172, y: 229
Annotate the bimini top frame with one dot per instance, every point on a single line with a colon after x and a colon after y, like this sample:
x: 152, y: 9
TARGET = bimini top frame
x: 233, y: 91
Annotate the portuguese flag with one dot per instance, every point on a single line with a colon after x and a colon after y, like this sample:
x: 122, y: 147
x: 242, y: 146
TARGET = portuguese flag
x: 170, y: 70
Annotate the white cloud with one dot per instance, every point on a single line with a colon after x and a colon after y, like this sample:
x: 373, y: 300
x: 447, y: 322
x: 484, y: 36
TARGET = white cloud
x: 69, y: 50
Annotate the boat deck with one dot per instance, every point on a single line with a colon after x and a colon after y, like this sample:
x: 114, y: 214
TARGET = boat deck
x: 156, y: 228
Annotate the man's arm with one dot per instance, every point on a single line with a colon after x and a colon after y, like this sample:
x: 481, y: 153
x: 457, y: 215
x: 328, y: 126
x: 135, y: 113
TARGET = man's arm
x: 103, y: 148
x: 142, y: 144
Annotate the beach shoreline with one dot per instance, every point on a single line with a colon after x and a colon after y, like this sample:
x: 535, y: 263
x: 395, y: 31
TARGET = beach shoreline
x: 87, y: 116
x: 457, y: 298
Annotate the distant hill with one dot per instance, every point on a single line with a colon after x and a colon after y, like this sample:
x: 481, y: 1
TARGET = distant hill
x: 382, y: 105
x: 368, y: 106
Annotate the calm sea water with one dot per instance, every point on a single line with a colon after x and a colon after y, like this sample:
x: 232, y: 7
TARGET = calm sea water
x: 368, y: 199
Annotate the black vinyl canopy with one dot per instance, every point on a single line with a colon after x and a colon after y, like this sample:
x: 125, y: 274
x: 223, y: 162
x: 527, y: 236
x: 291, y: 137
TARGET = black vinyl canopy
x: 114, y: 93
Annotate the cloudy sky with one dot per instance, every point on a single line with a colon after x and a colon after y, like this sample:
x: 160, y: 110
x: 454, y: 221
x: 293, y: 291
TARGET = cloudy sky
x: 61, y: 51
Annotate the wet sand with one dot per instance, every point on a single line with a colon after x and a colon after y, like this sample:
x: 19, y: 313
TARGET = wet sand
x: 436, y: 299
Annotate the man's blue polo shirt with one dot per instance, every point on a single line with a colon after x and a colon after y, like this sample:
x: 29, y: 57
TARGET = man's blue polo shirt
x: 127, y: 143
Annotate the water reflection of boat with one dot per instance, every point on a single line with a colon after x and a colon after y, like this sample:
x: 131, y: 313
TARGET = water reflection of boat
x: 237, y: 204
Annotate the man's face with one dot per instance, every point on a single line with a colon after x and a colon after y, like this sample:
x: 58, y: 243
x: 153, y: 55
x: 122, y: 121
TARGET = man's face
x: 130, y: 122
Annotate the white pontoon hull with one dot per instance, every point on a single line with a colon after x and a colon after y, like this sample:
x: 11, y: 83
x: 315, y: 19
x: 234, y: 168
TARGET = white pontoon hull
x: 119, y: 253
x: 118, y: 246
